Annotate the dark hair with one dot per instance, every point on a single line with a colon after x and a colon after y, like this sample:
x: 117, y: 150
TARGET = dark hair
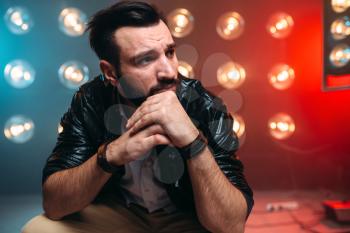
x: 104, y: 23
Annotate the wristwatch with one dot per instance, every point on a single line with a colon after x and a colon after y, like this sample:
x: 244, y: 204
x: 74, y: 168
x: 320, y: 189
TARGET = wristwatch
x: 103, y: 163
x: 194, y: 148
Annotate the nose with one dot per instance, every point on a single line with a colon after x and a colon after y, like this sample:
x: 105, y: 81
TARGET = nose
x: 167, y: 68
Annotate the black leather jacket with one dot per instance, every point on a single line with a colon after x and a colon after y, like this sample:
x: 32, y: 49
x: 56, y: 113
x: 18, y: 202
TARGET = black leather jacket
x: 85, y: 129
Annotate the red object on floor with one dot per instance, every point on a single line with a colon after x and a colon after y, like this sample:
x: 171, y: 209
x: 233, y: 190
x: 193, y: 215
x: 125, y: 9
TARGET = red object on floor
x: 337, y: 210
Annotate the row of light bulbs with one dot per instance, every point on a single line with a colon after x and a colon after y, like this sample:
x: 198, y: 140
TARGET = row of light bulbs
x: 72, y: 21
x: 72, y: 74
x: 20, y: 74
x: 230, y: 25
x: 20, y: 129
x: 340, y: 29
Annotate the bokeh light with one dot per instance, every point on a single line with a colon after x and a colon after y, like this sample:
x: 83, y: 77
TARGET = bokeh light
x: 19, y: 129
x: 281, y: 76
x: 59, y: 128
x: 72, y: 21
x: 340, y: 55
x: 18, y: 20
x: 340, y: 5
x: 73, y: 74
x: 19, y: 74
x: 230, y: 25
x: 180, y: 22
x: 185, y: 69
x: 238, y: 125
x: 231, y: 75
x: 340, y: 28
x: 280, y: 25
x: 281, y: 126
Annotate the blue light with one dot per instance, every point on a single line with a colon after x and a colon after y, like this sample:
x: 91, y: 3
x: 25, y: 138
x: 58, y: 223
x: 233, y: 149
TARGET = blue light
x: 73, y: 74
x: 18, y: 20
x: 72, y: 21
x: 19, y: 74
x: 19, y: 129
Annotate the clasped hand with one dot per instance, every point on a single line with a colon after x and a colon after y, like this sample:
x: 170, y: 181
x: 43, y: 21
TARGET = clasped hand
x: 160, y: 119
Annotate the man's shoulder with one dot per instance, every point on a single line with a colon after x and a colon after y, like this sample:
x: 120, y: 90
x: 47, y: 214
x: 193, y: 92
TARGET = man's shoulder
x: 192, y: 90
x: 93, y: 87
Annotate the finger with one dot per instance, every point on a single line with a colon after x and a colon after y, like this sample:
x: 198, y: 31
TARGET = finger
x: 153, y: 129
x: 145, y: 120
x: 145, y: 108
x: 156, y: 139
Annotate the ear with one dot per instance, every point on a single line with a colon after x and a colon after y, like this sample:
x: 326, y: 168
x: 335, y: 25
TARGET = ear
x: 109, y: 72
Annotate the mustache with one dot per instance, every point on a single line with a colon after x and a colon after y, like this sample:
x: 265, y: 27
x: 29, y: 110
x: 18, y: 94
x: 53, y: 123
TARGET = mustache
x: 164, y: 84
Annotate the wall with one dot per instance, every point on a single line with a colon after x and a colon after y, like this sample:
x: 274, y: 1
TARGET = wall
x: 316, y: 156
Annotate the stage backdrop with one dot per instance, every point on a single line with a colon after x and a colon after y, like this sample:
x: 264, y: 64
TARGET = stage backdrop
x: 316, y: 156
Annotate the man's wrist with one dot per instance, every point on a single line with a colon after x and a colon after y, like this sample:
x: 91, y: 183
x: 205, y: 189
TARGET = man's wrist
x: 194, y: 148
x: 103, y: 162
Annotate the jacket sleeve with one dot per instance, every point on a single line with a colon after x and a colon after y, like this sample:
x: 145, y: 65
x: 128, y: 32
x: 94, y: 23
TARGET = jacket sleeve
x: 223, y: 142
x: 73, y: 145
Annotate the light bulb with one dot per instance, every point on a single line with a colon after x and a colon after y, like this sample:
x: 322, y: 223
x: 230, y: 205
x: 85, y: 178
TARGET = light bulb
x: 340, y: 6
x: 281, y: 76
x: 19, y: 74
x: 340, y: 55
x: 19, y: 129
x: 280, y: 25
x: 231, y: 75
x: 230, y: 25
x: 180, y: 22
x: 238, y: 125
x: 281, y: 126
x: 73, y: 74
x: 185, y: 69
x: 72, y: 21
x: 340, y: 28
x: 18, y: 20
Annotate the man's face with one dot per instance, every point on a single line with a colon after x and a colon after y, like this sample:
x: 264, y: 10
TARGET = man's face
x: 148, y: 62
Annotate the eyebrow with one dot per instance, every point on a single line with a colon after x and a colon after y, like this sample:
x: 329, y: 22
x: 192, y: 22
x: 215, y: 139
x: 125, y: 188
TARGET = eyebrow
x: 151, y: 51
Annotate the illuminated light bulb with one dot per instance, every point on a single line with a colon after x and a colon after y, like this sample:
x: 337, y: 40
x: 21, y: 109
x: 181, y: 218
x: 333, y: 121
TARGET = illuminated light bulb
x: 19, y: 74
x: 18, y: 20
x: 230, y: 25
x: 72, y: 21
x: 231, y: 75
x: 19, y: 129
x: 280, y: 25
x: 281, y: 126
x: 281, y: 76
x: 180, y: 22
x: 340, y: 28
x: 73, y: 74
x: 340, y: 55
x: 238, y: 125
x: 59, y: 128
x: 185, y: 69
x: 340, y: 5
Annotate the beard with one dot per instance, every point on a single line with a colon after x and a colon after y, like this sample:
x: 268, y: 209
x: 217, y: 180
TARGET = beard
x: 136, y: 97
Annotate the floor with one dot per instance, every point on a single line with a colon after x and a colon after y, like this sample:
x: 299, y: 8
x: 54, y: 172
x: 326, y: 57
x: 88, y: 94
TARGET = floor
x: 302, y: 212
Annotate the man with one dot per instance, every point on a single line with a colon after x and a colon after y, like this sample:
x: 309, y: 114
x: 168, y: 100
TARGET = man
x: 143, y: 149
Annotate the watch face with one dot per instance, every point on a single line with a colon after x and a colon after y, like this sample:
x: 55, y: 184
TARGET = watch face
x: 168, y: 166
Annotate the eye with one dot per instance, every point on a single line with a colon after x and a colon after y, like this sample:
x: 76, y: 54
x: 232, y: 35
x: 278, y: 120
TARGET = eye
x: 170, y: 53
x: 144, y: 60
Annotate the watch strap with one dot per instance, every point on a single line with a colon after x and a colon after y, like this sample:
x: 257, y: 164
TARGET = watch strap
x: 194, y: 148
x: 103, y: 163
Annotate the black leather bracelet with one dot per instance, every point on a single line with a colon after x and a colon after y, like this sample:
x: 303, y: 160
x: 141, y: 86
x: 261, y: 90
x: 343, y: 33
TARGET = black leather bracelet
x: 103, y: 163
x: 194, y: 148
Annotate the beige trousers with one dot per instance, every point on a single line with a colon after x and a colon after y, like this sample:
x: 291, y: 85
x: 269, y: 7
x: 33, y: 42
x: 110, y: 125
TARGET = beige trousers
x: 113, y: 216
